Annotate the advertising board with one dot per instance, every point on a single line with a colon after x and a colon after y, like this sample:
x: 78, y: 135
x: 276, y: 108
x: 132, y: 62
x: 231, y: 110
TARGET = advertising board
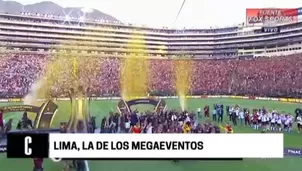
x: 270, y: 16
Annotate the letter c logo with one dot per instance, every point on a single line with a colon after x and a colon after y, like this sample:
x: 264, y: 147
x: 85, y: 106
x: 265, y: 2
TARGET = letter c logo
x: 27, y: 150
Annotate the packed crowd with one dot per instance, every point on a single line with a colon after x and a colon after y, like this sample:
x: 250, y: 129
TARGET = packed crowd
x: 262, y: 77
x: 18, y: 73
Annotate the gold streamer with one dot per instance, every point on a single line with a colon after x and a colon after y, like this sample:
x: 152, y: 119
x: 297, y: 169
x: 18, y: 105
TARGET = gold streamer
x: 134, y: 73
x: 75, y: 68
x: 182, y: 70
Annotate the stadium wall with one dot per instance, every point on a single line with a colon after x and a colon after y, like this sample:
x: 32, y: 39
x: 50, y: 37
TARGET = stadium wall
x: 290, y: 100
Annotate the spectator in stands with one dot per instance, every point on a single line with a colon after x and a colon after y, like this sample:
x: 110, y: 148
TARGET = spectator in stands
x: 273, y: 77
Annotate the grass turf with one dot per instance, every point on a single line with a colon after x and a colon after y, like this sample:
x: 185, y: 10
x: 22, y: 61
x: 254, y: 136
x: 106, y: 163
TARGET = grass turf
x: 101, y: 108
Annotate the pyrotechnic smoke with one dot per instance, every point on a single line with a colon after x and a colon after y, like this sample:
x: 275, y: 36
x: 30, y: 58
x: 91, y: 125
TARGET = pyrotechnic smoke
x: 32, y: 97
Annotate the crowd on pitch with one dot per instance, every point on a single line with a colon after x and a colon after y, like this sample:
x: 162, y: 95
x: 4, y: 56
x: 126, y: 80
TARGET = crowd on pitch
x: 258, y: 119
x: 166, y: 122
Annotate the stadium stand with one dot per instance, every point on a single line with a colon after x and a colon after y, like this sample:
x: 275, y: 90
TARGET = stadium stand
x: 233, y: 62
x: 28, y: 40
x: 262, y: 77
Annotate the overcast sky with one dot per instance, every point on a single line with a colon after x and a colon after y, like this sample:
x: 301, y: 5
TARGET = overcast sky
x: 195, y: 13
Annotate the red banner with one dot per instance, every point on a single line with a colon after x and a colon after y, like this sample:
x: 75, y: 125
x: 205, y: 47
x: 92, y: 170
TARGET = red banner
x: 271, y: 15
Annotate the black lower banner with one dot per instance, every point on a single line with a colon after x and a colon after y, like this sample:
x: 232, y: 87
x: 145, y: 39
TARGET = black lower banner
x: 27, y: 145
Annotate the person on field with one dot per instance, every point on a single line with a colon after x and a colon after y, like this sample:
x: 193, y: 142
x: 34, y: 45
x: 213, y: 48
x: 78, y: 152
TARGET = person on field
x: 8, y: 126
x: 134, y: 118
x: 1, y: 121
x: 80, y: 165
x: 229, y: 128
x: 299, y: 124
x: 255, y: 120
x: 234, y: 117
x: 220, y: 114
x: 175, y: 161
x: 241, y: 117
x: 298, y: 112
x: 229, y: 112
x: 136, y: 129
x: 38, y: 164
x: 207, y: 111
x: 187, y: 127
x: 227, y: 109
x: 25, y: 123
x: 93, y: 123
x: 214, y: 115
x: 198, y: 111
x: 247, y: 118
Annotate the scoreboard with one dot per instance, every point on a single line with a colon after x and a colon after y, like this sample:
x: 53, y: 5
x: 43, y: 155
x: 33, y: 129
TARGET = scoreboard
x: 270, y: 29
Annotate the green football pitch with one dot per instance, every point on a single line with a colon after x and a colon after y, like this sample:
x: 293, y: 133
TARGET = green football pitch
x: 101, y: 108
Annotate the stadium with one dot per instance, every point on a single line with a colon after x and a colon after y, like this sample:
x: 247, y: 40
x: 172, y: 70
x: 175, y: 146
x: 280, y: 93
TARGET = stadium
x: 43, y: 57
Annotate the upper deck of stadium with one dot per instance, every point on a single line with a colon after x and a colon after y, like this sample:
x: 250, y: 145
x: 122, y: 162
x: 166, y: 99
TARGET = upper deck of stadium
x: 48, y: 33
